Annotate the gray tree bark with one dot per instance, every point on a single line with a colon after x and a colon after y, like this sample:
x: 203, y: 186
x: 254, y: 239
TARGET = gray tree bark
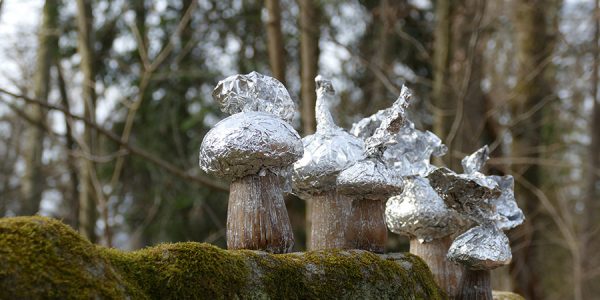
x: 32, y: 183
x: 275, y: 44
x: 87, y: 194
x: 457, y: 94
x: 535, y: 40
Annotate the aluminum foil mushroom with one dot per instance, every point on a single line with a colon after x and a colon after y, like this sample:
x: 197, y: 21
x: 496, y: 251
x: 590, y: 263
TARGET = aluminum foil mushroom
x: 485, y: 246
x: 371, y: 181
x: 254, y: 148
x: 328, y: 151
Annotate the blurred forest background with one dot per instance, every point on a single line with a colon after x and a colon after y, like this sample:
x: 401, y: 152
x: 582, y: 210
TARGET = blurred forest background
x: 104, y: 103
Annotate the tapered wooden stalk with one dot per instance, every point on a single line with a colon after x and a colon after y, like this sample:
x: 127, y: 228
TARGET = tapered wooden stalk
x: 368, y: 230
x: 330, y: 215
x: 445, y: 273
x: 475, y: 285
x: 256, y: 217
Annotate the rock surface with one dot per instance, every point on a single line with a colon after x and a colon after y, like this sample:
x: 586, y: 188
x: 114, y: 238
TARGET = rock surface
x: 43, y: 258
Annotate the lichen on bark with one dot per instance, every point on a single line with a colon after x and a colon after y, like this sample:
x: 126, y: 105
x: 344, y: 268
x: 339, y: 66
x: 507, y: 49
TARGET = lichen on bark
x: 43, y: 258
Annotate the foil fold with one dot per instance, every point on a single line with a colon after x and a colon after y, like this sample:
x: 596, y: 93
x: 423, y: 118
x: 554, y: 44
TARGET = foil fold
x: 392, y: 120
x: 508, y: 213
x: 254, y: 92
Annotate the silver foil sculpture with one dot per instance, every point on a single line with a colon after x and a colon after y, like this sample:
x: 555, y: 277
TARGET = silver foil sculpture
x: 254, y: 148
x: 326, y: 152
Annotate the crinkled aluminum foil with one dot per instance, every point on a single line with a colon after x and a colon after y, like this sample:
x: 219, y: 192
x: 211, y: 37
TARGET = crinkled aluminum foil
x: 483, y: 247
x: 391, y: 123
x: 325, y: 155
x: 468, y: 193
x: 245, y: 143
x: 370, y: 179
x: 474, y: 162
x: 367, y: 126
x: 420, y: 212
x: 509, y: 215
x: 411, y: 155
x: 254, y: 92
x: 327, y: 152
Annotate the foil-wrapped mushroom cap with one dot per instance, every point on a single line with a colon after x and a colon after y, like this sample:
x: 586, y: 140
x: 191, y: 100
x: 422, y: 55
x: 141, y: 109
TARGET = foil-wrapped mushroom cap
x: 420, y: 212
x: 412, y: 154
x: 508, y: 213
x: 326, y: 152
x: 248, y: 142
x: 464, y: 192
x: 325, y: 155
x: 483, y: 247
x: 369, y: 179
x: 254, y: 92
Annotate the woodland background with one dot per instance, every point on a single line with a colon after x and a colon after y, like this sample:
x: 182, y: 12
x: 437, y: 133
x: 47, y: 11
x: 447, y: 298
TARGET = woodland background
x: 104, y: 103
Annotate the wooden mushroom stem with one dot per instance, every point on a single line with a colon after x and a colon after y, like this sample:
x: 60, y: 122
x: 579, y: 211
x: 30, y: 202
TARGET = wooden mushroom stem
x: 256, y: 216
x: 445, y: 273
x: 367, y: 229
x: 329, y: 216
x: 475, y: 285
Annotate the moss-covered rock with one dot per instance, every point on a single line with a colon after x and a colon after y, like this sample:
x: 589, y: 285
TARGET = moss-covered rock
x: 43, y: 258
x: 501, y: 295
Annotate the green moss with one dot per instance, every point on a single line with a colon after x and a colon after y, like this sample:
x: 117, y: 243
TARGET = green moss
x: 43, y: 258
x: 182, y: 270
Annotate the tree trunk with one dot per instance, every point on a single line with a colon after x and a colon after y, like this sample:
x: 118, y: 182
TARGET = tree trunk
x: 445, y: 273
x: 535, y: 39
x: 309, y: 60
x: 87, y: 195
x: 32, y: 183
x: 73, y: 195
x: 257, y: 218
x: 275, y: 44
x: 330, y: 216
x: 309, y: 64
x: 592, y: 201
x: 457, y: 94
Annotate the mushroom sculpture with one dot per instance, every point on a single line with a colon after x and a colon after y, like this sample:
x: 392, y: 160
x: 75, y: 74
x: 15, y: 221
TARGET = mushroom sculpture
x: 419, y: 212
x: 370, y: 181
x: 485, y: 246
x: 254, y: 148
x: 326, y: 152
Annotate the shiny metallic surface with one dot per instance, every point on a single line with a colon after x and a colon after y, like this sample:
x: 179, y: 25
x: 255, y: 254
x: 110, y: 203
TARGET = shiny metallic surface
x: 325, y: 155
x: 369, y: 179
x: 411, y: 155
x: 254, y: 92
x: 483, y: 247
x: 367, y: 126
x: 246, y: 143
x: 509, y: 215
x: 467, y: 193
x: 391, y: 122
x: 474, y: 162
x: 419, y: 212
x: 327, y: 152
